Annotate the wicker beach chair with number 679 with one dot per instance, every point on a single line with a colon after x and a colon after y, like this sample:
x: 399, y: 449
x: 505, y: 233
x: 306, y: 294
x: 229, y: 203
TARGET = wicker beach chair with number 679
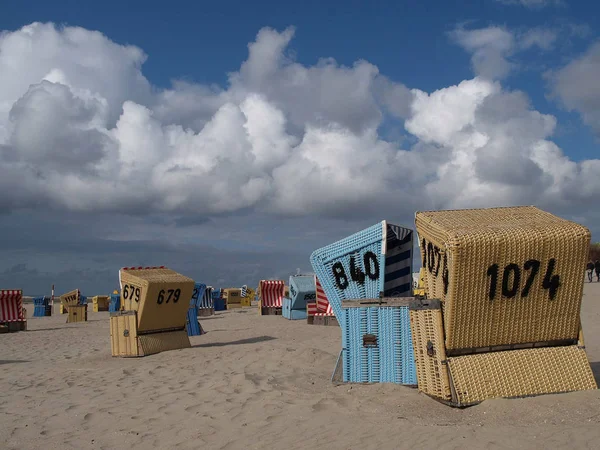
x: 153, y: 319
x: 502, y: 318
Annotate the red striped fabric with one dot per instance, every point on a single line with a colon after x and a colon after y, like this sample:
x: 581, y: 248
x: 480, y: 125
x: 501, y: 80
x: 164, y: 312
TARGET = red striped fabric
x: 142, y: 268
x: 11, y: 306
x: 271, y: 293
x: 311, y: 309
x: 322, y: 303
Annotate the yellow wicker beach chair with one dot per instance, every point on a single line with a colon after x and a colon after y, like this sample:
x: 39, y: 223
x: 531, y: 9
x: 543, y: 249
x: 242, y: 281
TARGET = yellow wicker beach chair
x: 505, y: 290
x: 155, y: 303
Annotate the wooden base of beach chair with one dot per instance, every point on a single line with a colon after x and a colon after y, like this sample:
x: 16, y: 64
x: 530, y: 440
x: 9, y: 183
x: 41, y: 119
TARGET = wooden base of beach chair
x: 77, y: 313
x: 205, y: 312
x: 319, y: 320
x: 271, y: 311
x: 234, y: 305
x: 469, y: 379
x: 100, y: 303
x: 13, y: 326
x: 331, y: 321
x: 322, y: 320
x: 125, y: 341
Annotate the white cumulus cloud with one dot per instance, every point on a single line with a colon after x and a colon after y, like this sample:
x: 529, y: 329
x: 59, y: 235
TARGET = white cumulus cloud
x: 82, y: 129
x: 577, y: 86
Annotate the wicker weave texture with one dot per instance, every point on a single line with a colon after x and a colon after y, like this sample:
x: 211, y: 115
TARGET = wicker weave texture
x: 161, y: 297
x: 341, y: 252
x: 428, y: 343
x: 163, y: 275
x: 71, y: 298
x: 520, y: 373
x: 161, y: 342
x: 391, y: 359
x: 465, y: 250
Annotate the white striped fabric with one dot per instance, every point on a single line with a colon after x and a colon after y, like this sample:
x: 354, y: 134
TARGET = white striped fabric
x: 271, y: 293
x: 207, y: 300
x: 11, y: 306
x: 244, y: 290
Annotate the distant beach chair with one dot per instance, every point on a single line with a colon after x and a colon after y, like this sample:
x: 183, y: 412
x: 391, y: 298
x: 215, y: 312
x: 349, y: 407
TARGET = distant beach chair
x: 115, y: 302
x: 192, y: 325
x: 271, y: 297
x: 302, y: 291
x: 232, y: 297
x: 324, y: 314
x: 74, y: 305
x: 100, y: 303
x: 42, y: 307
x: 420, y: 289
x: 218, y: 300
x: 207, y: 307
x: 12, y: 313
x: 247, y: 296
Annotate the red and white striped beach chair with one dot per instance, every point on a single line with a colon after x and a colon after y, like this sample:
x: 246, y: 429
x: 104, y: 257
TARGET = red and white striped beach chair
x: 11, y: 309
x: 324, y: 314
x: 271, y: 297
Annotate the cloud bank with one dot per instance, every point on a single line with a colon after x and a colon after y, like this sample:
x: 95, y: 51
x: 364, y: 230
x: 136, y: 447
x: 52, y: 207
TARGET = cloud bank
x: 82, y: 129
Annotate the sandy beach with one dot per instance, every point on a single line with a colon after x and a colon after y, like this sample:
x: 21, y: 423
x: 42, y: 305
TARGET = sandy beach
x: 254, y: 383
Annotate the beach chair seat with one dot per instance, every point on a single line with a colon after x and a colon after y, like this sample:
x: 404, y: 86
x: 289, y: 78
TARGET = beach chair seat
x: 100, y: 303
x: 74, y: 301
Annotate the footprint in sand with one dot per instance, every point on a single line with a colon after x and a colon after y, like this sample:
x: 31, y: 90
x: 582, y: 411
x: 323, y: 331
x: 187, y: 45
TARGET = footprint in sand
x: 193, y: 409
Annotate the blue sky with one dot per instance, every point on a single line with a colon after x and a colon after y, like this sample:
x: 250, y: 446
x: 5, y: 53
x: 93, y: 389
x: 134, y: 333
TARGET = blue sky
x: 406, y: 40
x: 413, y: 45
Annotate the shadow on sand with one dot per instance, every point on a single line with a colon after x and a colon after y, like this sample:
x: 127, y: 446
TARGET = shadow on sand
x: 240, y: 342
